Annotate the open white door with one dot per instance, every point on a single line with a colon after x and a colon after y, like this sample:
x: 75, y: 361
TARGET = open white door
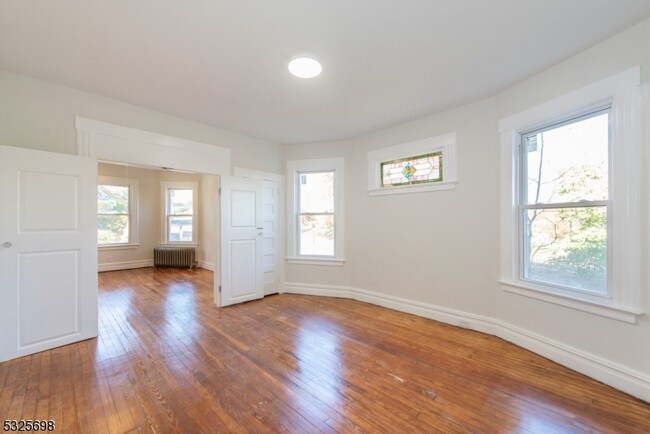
x: 241, y: 240
x: 48, y: 250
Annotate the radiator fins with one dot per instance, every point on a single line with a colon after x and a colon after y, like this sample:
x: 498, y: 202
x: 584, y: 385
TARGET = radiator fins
x: 180, y: 257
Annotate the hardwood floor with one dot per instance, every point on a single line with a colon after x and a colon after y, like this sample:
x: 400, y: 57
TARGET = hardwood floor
x: 168, y: 360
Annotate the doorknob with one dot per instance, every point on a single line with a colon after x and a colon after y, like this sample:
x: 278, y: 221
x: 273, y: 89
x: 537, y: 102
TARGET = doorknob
x: 6, y: 244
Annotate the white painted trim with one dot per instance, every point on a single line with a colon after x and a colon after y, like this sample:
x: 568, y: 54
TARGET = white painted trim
x: 258, y: 174
x: 116, y: 143
x: 446, y: 143
x: 566, y: 105
x: 130, y: 246
x: 126, y: 265
x: 304, y: 260
x: 417, y: 188
x: 206, y: 265
x: 609, y: 372
x: 539, y: 292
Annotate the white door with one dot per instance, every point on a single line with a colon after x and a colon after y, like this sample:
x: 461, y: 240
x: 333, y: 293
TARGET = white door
x: 241, y: 240
x: 48, y: 250
x: 271, y: 242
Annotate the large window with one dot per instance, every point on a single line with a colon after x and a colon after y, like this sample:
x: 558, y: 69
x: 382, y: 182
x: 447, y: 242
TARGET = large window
x: 316, y: 226
x: 116, y: 211
x: 570, y: 195
x: 564, y: 196
x: 180, y: 212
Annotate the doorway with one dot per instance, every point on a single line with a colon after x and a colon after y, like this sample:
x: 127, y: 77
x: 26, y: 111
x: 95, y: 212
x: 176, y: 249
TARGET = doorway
x: 113, y: 143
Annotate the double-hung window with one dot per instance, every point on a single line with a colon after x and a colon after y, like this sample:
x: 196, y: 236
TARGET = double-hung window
x: 116, y: 211
x: 564, y: 201
x: 570, y: 198
x: 315, y: 232
x: 180, y: 212
x: 316, y: 213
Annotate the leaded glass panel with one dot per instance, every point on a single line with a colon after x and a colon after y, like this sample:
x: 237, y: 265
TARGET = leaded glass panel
x: 412, y: 170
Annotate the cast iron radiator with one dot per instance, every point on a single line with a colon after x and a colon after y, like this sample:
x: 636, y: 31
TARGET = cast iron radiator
x: 174, y: 257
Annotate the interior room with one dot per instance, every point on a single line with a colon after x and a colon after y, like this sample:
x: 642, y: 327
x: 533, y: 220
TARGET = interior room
x: 427, y: 216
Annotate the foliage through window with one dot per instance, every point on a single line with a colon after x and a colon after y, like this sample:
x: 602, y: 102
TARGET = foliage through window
x: 113, y: 214
x: 563, y: 207
x: 412, y: 170
x: 316, y: 216
x: 180, y: 214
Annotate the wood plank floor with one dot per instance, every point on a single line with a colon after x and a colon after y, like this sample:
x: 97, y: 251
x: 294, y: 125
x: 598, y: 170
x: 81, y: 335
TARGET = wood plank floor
x: 167, y: 360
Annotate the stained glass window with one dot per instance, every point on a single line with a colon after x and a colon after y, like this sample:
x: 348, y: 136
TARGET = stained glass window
x: 421, y: 169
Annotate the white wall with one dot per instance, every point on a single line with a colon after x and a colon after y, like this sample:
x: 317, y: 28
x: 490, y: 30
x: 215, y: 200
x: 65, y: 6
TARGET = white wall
x: 441, y: 249
x: 40, y: 115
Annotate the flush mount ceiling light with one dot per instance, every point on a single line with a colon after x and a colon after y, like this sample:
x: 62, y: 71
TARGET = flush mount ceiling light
x: 305, y: 67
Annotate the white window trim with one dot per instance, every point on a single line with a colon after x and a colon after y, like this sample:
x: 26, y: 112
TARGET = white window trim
x: 134, y: 221
x: 164, y: 187
x: 625, y: 94
x: 445, y: 143
x: 293, y: 169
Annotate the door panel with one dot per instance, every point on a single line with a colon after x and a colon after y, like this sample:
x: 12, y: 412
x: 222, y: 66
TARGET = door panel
x: 52, y: 313
x: 48, y: 258
x: 271, y: 199
x: 243, y: 269
x: 241, y: 240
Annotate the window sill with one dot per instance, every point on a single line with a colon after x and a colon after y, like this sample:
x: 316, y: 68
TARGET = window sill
x: 604, y: 308
x: 330, y: 262
x: 119, y: 246
x: 187, y: 244
x: 417, y: 188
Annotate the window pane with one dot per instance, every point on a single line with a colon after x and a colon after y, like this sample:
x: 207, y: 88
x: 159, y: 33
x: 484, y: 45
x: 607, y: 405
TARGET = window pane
x: 316, y: 235
x: 112, y: 199
x: 316, y: 192
x: 567, y: 247
x: 415, y: 170
x: 180, y: 228
x: 568, y: 163
x: 112, y: 229
x: 180, y: 201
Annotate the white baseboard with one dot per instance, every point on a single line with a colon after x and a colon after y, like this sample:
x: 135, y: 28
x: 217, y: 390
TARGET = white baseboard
x: 206, y: 265
x: 611, y: 373
x: 127, y: 265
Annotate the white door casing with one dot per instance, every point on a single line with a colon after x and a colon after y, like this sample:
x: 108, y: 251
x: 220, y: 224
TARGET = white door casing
x: 48, y: 251
x: 241, y: 240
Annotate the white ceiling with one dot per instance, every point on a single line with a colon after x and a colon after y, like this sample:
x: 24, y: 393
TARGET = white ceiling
x: 223, y: 62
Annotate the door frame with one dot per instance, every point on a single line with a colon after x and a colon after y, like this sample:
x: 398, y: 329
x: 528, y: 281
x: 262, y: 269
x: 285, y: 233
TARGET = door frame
x: 118, y: 144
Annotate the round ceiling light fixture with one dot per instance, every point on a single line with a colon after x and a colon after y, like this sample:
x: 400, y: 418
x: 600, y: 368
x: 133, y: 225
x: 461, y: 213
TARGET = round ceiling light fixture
x: 305, y: 67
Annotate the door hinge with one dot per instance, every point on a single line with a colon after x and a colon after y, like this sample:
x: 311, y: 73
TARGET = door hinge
x: 219, y: 288
x: 219, y: 190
